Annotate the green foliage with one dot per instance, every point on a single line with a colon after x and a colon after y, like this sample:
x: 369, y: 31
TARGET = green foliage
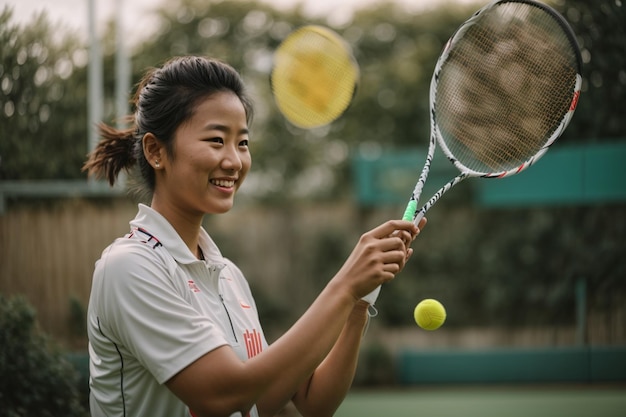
x: 77, y: 317
x: 43, y: 82
x: 601, y: 33
x: 326, y: 255
x: 43, y: 98
x: 513, y: 266
x: 35, y: 378
x: 397, y: 52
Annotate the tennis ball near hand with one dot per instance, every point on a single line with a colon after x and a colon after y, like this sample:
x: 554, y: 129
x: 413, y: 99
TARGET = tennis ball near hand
x: 429, y: 314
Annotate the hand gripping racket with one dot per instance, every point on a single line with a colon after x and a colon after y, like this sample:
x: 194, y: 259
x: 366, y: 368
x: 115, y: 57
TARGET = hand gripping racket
x: 314, y: 76
x: 504, y: 89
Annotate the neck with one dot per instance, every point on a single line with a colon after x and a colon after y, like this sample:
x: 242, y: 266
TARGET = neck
x: 186, y: 225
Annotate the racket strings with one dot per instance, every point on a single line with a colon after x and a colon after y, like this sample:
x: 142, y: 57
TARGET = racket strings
x: 506, y: 85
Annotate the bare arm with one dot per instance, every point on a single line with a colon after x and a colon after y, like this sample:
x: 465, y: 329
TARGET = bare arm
x: 324, y: 392
x: 219, y: 384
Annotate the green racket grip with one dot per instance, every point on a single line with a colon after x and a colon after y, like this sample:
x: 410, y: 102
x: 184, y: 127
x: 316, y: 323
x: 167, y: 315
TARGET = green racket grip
x: 409, y: 213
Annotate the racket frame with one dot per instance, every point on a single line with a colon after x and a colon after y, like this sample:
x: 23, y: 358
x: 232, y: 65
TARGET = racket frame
x: 411, y: 212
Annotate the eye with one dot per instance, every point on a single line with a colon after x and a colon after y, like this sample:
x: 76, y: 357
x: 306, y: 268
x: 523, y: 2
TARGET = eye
x: 216, y: 140
x: 244, y: 143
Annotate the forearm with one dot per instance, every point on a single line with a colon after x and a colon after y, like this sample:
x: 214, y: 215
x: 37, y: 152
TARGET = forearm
x: 324, y: 392
x: 300, y: 351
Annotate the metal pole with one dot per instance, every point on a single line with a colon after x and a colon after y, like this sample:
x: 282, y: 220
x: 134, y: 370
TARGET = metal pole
x: 122, y: 76
x: 95, y: 89
x: 581, y: 311
x: 122, y: 67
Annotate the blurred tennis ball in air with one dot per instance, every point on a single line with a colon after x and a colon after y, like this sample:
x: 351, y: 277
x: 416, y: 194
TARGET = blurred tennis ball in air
x: 429, y: 314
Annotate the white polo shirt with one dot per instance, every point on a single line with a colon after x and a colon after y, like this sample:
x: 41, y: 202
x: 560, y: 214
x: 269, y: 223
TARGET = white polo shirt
x: 154, y: 309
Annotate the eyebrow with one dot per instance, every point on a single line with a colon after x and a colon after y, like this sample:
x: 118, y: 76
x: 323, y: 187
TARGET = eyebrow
x: 225, y: 129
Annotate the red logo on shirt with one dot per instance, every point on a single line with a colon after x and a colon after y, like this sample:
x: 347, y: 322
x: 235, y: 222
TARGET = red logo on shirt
x: 192, y: 286
x: 253, y: 341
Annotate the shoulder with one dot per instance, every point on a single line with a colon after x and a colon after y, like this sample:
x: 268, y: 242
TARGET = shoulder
x: 131, y: 260
x: 131, y: 279
x: 138, y: 245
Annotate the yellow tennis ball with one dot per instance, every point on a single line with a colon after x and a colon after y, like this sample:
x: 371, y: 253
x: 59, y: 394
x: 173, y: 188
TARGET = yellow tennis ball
x: 314, y: 76
x: 429, y: 314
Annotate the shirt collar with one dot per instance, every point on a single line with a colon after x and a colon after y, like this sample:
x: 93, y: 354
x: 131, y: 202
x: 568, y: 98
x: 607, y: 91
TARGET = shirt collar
x: 154, y: 223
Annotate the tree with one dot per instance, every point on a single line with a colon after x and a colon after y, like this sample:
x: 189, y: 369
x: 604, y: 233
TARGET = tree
x: 43, y: 80
x: 35, y: 379
x: 43, y: 86
x: 601, y: 33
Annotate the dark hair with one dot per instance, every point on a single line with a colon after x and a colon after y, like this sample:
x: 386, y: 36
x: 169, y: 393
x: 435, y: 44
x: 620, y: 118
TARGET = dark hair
x: 165, y: 98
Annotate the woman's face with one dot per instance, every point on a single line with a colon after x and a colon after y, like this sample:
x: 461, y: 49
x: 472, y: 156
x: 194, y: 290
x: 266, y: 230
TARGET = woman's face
x: 211, y: 157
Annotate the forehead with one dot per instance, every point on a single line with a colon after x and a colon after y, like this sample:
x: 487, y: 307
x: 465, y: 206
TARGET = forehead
x: 223, y: 105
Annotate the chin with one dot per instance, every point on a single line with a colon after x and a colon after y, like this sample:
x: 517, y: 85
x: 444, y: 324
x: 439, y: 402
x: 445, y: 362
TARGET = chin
x: 220, y: 209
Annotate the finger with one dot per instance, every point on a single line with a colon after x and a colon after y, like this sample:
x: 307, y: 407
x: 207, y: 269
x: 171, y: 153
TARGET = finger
x: 403, y: 234
x: 392, y: 243
x: 387, y: 228
x: 397, y: 256
x: 391, y: 270
x: 422, y: 223
x: 407, y: 238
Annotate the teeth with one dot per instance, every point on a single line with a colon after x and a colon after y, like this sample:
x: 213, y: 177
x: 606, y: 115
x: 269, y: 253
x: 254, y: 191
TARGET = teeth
x: 223, y: 183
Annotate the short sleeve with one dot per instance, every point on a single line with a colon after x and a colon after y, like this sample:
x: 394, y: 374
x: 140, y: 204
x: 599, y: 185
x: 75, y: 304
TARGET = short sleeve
x: 143, y: 309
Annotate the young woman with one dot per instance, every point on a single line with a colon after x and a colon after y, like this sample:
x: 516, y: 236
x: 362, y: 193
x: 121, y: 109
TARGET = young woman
x: 173, y: 328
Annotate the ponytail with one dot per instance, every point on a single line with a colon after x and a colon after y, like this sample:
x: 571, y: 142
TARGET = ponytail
x: 114, y: 152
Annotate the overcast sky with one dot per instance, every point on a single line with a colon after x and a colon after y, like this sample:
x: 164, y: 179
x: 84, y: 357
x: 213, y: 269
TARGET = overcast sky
x: 137, y: 16
x: 74, y: 12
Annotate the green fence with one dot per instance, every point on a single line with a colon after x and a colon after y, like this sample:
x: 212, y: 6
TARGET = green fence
x: 575, y: 174
x: 567, y: 174
x: 508, y: 365
x: 571, y: 365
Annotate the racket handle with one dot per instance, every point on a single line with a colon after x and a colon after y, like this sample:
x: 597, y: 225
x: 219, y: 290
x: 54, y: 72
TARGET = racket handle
x: 418, y: 217
x: 371, y: 297
x: 410, y: 210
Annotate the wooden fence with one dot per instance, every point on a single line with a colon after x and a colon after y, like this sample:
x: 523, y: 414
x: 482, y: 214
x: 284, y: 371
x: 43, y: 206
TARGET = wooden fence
x: 47, y: 254
x: 48, y: 249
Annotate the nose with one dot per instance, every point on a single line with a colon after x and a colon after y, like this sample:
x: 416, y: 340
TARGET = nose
x: 231, y: 159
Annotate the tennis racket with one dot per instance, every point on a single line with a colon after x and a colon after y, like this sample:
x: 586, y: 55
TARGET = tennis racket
x: 504, y: 89
x: 314, y: 76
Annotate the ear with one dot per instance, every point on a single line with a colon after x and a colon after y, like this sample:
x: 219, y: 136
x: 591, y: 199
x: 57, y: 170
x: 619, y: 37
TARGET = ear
x: 153, y: 150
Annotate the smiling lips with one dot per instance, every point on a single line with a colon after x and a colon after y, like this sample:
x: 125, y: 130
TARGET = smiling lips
x: 223, y: 183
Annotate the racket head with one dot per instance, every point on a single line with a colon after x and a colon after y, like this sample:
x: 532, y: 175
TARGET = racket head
x: 314, y: 76
x: 505, y: 87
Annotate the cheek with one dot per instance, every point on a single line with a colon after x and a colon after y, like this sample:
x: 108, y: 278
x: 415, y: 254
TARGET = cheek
x: 199, y: 160
x: 246, y: 163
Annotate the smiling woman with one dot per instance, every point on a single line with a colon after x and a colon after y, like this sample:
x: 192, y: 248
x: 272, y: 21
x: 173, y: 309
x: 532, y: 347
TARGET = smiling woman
x: 173, y: 327
x: 213, y: 145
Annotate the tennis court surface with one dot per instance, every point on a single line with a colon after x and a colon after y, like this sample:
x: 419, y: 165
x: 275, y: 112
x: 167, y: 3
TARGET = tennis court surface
x: 488, y: 401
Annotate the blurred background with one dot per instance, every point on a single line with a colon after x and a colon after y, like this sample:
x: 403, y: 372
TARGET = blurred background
x: 530, y: 268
